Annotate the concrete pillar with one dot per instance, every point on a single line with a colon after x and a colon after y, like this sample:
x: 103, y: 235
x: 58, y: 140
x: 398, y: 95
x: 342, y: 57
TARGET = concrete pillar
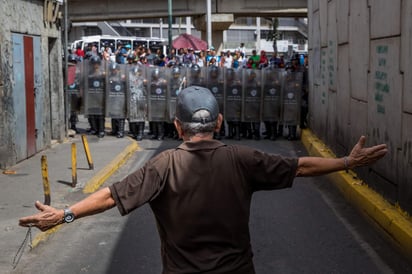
x: 220, y: 22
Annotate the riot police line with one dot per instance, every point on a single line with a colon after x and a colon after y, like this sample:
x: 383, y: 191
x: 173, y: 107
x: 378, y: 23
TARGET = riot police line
x: 138, y: 94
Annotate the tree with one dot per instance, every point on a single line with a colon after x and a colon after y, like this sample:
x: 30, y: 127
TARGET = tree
x: 274, y: 34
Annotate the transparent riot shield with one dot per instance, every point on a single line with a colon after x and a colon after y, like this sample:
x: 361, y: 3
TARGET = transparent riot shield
x: 233, y: 95
x: 252, y: 95
x: 196, y: 76
x: 94, y: 95
x: 74, y: 74
x: 157, y: 94
x: 116, y: 91
x: 137, y: 94
x: 215, y: 83
x: 176, y: 82
x: 272, y: 89
x: 291, y: 96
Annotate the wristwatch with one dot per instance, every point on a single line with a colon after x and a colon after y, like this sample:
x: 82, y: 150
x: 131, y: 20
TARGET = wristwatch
x: 68, y: 216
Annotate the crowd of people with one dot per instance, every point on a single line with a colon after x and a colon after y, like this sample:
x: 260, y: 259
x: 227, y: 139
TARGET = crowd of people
x: 189, y: 58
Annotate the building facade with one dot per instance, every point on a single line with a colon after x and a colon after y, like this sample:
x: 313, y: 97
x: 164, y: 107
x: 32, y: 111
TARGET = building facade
x: 31, y: 79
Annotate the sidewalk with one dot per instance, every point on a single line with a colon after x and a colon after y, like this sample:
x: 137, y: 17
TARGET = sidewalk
x: 19, y: 191
x: 394, y: 223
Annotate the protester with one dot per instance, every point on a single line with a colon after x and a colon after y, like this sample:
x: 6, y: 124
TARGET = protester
x: 201, y: 191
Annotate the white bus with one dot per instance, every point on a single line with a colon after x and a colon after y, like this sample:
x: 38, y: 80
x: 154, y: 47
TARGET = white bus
x: 100, y: 41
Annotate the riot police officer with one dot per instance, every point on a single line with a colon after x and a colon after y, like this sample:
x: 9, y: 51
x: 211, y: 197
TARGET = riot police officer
x: 95, y: 97
x: 138, y: 101
x: 233, y: 106
x: 116, y: 96
x: 73, y: 83
x: 195, y: 77
x: 177, y: 82
x: 157, y: 103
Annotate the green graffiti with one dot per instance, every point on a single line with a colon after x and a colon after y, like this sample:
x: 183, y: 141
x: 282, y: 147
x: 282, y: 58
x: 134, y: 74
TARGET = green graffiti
x: 380, y: 109
x: 378, y: 97
x: 382, y: 49
x: 380, y: 75
x: 382, y: 62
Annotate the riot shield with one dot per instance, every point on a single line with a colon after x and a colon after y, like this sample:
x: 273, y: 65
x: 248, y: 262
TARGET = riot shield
x: 272, y: 89
x: 157, y: 95
x: 215, y: 83
x: 252, y: 95
x: 291, y: 96
x: 116, y: 91
x: 137, y: 94
x: 74, y: 74
x: 176, y: 82
x: 94, y: 95
x: 196, y: 76
x: 233, y: 95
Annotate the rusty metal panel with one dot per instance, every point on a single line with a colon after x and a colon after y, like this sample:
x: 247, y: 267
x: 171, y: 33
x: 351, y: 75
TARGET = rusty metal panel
x: 380, y: 9
x: 19, y: 99
x: 39, y: 93
x: 359, y: 48
x: 384, y: 101
x: 29, y: 89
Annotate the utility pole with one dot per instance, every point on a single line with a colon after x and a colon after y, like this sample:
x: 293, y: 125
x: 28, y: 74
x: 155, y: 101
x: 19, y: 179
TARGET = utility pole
x: 170, y: 24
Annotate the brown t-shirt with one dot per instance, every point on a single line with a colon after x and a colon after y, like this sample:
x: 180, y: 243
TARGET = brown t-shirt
x: 200, y: 194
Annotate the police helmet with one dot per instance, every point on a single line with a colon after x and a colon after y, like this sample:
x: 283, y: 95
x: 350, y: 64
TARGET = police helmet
x: 130, y: 56
x: 176, y: 71
x: 156, y: 73
x: 72, y: 58
x: 114, y: 66
x: 95, y: 60
x: 214, y: 71
x: 230, y: 73
x: 195, y: 68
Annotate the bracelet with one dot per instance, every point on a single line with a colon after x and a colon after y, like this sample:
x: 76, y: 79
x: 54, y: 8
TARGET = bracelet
x: 345, y: 160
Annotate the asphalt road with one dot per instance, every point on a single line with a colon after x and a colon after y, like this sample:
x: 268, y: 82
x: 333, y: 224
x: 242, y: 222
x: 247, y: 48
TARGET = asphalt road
x: 309, y: 228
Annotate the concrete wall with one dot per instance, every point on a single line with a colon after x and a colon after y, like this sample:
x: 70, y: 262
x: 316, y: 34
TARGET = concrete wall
x: 361, y: 84
x: 27, y: 18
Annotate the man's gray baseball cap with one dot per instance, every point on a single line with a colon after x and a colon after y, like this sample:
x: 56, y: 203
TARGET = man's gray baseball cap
x: 195, y: 98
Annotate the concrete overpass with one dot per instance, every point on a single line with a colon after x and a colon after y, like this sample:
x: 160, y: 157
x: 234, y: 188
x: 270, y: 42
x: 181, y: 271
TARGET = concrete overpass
x: 106, y: 10
x: 223, y: 12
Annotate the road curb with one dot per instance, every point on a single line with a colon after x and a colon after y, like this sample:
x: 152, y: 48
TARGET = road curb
x: 93, y: 184
x: 390, y: 219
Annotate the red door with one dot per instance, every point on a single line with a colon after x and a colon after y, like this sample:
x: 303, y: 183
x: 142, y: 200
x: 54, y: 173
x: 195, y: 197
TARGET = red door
x: 30, y: 102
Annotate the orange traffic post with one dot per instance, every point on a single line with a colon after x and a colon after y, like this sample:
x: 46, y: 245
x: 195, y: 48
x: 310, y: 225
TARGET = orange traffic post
x: 87, y: 151
x: 74, y: 165
x: 45, y: 175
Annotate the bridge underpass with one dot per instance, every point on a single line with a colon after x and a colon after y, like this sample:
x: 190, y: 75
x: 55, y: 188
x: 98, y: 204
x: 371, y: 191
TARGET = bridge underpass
x: 223, y: 13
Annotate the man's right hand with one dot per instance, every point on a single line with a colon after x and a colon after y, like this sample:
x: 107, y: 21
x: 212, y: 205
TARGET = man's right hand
x: 47, y: 218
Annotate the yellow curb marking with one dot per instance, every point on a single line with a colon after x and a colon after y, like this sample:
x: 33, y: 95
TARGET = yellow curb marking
x: 387, y: 216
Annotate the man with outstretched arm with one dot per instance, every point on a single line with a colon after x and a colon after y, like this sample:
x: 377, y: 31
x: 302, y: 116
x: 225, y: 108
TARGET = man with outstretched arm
x: 200, y: 192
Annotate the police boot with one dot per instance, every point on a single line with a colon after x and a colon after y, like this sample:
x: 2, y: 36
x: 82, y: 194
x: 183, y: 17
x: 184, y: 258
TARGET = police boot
x: 120, y: 131
x: 93, y: 125
x: 160, y: 131
x: 280, y: 130
x: 273, y: 127
x: 256, y: 131
x: 140, y: 130
x: 237, y: 131
x: 100, y: 126
x: 292, y: 133
x: 115, y: 126
x: 231, y: 129
x: 133, y: 129
x: 73, y: 121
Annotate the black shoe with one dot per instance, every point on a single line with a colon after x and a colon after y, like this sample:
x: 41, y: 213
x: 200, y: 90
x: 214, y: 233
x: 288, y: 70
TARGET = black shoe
x: 100, y: 135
